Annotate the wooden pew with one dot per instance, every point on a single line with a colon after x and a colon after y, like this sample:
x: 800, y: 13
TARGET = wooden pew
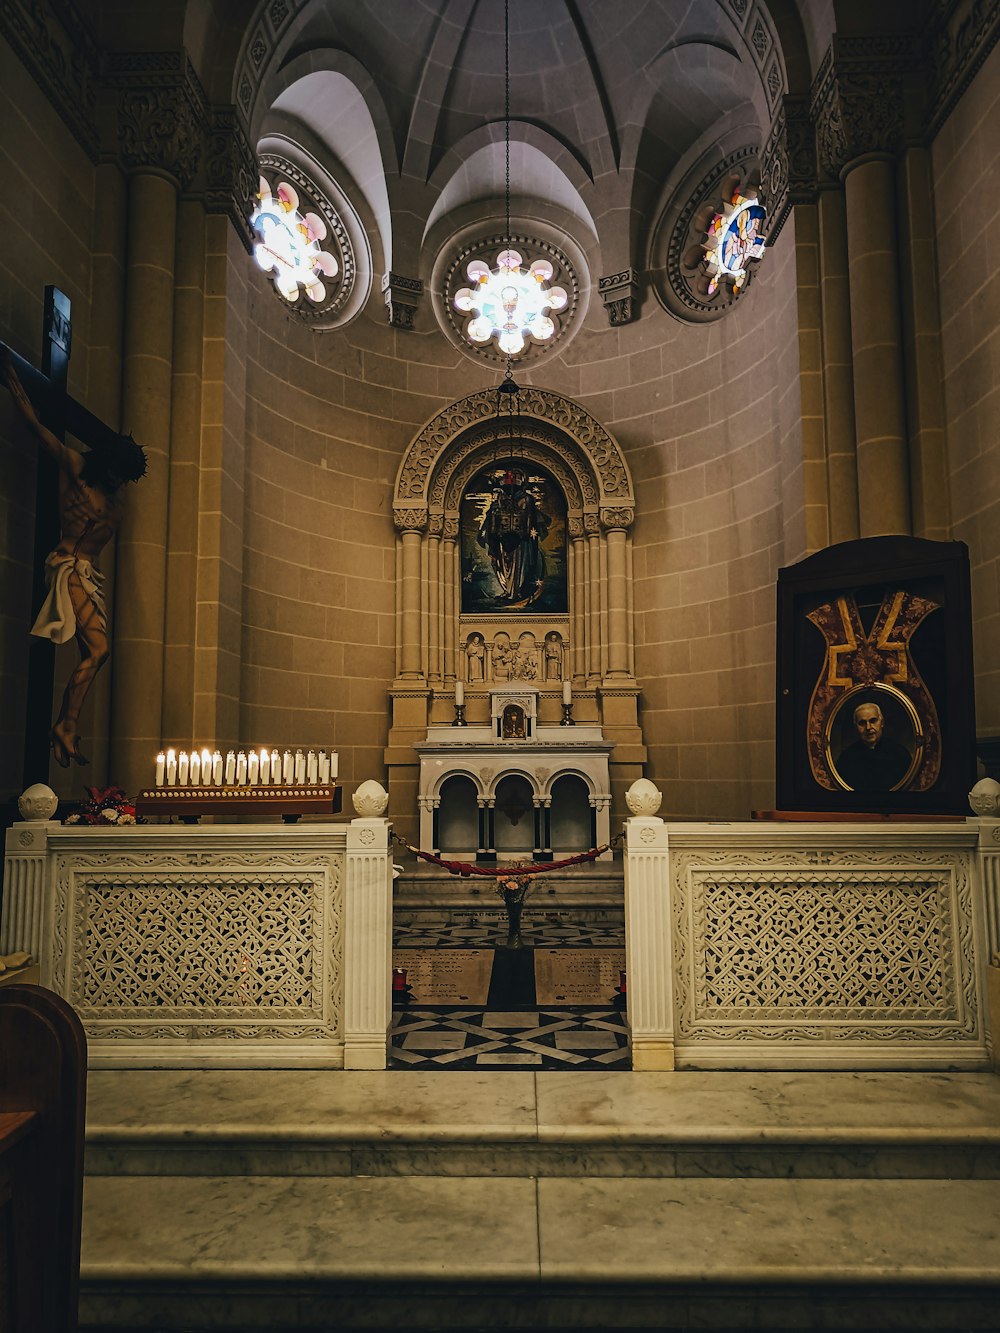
x: 43, y: 1084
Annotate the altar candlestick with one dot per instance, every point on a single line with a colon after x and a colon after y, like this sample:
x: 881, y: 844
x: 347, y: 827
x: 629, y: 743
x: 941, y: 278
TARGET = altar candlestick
x: 324, y: 769
x: 275, y: 769
x: 161, y: 768
x: 300, y: 768
x: 312, y: 768
x: 265, y: 768
x: 194, y: 769
x: 182, y: 769
x: 216, y: 769
x: 459, y: 693
x: 567, y: 692
x: 253, y: 768
x: 171, y: 768
x: 230, y: 768
x: 287, y: 770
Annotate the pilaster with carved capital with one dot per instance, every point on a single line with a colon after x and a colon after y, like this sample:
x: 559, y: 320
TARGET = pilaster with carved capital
x: 410, y: 520
x: 857, y: 99
x: 162, y: 113
x: 617, y: 518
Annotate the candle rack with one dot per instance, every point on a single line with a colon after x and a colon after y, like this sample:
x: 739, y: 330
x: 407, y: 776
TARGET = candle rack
x: 190, y: 803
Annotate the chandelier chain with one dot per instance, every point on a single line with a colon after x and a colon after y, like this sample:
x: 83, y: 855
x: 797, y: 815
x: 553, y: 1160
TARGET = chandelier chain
x: 506, y: 136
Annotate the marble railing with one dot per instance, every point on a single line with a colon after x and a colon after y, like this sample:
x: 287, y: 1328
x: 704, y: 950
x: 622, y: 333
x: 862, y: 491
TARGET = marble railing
x: 810, y: 946
x: 224, y: 945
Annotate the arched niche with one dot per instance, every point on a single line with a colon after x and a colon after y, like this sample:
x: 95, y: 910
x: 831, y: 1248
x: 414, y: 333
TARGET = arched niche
x: 558, y: 436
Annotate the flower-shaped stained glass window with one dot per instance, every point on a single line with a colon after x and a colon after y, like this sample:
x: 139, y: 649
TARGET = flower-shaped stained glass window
x: 735, y: 238
x: 288, y: 243
x: 510, y: 303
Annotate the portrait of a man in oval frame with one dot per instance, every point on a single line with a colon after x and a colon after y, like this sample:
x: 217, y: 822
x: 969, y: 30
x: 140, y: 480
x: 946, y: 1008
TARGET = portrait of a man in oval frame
x: 874, y: 739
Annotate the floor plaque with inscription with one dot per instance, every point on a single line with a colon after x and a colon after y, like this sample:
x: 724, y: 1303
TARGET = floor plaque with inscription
x: 446, y: 976
x: 577, y: 976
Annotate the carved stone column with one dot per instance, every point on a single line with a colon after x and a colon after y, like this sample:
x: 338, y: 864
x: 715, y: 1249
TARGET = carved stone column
x: 578, y: 574
x: 858, y: 102
x: 590, y: 523
x: 616, y: 521
x: 838, y: 367
x: 160, y: 123
x: 450, y: 593
x: 434, y: 591
x: 411, y: 522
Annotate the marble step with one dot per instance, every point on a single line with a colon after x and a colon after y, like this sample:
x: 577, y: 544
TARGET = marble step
x: 269, y: 1253
x: 519, y: 1124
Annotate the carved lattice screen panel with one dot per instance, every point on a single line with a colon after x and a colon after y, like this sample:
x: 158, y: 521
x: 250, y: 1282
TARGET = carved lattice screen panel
x: 857, y: 947
x: 152, y: 948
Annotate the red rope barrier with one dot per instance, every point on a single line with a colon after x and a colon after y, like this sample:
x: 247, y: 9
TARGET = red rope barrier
x: 509, y: 869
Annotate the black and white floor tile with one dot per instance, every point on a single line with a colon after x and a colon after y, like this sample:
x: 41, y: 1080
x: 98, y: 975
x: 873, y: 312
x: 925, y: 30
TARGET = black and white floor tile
x: 525, y: 1039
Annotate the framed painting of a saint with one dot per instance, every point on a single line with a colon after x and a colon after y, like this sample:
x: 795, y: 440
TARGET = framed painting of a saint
x: 875, y: 684
x: 513, y: 538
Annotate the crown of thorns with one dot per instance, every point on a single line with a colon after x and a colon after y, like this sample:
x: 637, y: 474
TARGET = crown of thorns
x: 127, y: 458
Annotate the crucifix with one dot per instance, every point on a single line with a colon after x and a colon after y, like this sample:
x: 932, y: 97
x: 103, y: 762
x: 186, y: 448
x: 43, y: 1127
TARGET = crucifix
x: 77, y: 509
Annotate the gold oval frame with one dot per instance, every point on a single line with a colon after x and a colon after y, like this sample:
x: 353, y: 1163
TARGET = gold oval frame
x: 908, y: 708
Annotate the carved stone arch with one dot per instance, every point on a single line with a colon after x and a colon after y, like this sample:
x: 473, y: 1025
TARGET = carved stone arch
x: 472, y: 454
x: 482, y: 789
x: 570, y: 772
x: 515, y: 771
x: 459, y: 429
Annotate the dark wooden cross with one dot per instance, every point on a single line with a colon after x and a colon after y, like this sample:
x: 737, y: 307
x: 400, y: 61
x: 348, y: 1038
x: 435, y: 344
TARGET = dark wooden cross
x: 63, y: 416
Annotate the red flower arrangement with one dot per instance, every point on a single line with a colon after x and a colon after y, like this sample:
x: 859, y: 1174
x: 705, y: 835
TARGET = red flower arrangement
x: 103, y: 807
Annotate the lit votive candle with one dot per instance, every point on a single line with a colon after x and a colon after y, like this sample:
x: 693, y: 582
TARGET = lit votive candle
x: 241, y: 769
x: 182, y: 768
x: 275, y: 769
x: 216, y: 769
x: 312, y: 768
x: 206, y: 768
x: 324, y: 769
x: 230, y: 768
x: 334, y: 765
x: 288, y: 769
x: 171, y: 768
x: 300, y: 768
x: 194, y: 769
x: 265, y: 767
x: 161, y: 769
x: 253, y: 768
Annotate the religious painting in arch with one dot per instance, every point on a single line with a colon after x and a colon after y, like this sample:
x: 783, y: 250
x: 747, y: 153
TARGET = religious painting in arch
x: 513, y: 538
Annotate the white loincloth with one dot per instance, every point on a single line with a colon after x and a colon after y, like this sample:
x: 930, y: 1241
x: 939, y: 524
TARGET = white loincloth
x: 57, y: 619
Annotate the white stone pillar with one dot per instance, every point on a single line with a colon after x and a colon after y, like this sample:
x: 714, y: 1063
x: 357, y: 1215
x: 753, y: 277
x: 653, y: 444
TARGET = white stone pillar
x: 26, y: 887
x: 367, y: 945
x: 989, y: 870
x: 601, y: 805
x: 649, y: 944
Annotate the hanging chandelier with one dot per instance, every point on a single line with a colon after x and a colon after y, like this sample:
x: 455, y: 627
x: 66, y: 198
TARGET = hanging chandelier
x: 509, y: 302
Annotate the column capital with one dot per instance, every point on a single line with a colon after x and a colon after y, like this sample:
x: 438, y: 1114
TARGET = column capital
x: 162, y: 112
x: 402, y: 296
x: 857, y: 98
x: 410, y: 519
x: 621, y: 517
x: 788, y: 163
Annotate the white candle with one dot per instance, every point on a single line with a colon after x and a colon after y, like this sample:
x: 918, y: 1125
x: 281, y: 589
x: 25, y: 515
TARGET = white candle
x: 253, y: 768
x: 217, y: 769
x: 275, y: 769
x: 171, y: 768
x: 182, y: 769
x: 312, y: 768
x: 300, y: 768
x: 459, y: 694
x: 265, y: 768
x: 206, y: 768
x: 161, y: 768
x: 567, y: 692
x: 241, y: 769
x: 287, y: 769
x: 324, y: 769
x: 194, y: 769
x: 230, y: 769
x: 334, y: 765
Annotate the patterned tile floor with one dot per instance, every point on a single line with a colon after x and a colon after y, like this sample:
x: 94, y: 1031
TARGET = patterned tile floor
x: 512, y: 1031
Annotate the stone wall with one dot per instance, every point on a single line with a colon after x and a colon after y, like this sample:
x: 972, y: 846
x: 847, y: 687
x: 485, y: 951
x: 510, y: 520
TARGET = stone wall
x: 966, y: 162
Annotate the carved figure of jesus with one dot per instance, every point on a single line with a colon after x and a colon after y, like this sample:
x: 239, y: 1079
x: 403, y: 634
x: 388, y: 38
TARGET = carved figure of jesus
x: 90, y: 510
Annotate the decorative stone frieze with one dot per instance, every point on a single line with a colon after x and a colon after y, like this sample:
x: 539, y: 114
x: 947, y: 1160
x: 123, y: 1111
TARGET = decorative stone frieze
x: 617, y: 518
x: 56, y: 45
x: 960, y: 37
x: 857, y: 98
x: 788, y: 171
x: 591, y: 525
x: 410, y: 520
x: 620, y: 294
x: 162, y: 112
x: 401, y: 296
